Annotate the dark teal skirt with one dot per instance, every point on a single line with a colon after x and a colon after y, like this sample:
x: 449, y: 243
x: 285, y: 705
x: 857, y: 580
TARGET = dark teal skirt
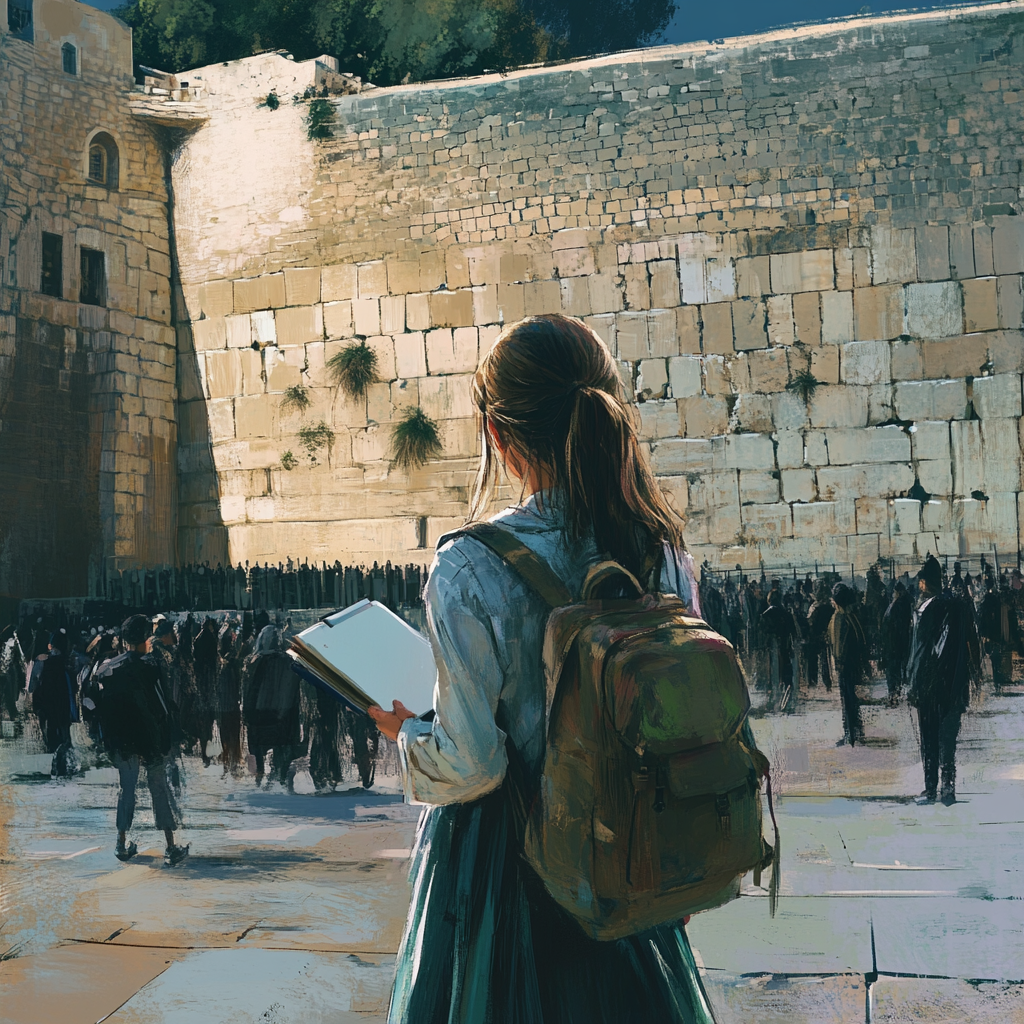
x: 485, y: 944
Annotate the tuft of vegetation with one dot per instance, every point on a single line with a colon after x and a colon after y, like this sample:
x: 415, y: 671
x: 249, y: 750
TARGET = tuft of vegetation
x: 319, y: 119
x: 288, y: 460
x: 804, y: 384
x: 354, y: 368
x: 273, y: 101
x: 314, y: 440
x: 296, y: 397
x: 415, y: 440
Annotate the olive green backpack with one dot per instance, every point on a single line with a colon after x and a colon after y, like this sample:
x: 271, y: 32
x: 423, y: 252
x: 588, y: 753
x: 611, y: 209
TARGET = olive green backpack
x: 649, y: 804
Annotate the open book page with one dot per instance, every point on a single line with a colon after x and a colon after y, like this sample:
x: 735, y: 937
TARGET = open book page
x: 367, y: 655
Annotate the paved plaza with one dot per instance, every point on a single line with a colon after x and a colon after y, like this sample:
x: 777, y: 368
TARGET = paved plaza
x: 290, y: 907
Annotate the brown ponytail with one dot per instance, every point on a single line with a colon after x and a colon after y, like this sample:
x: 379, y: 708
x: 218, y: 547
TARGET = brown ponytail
x: 552, y: 392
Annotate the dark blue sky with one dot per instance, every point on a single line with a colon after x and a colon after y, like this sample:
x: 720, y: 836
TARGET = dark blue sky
x: 710, y: 20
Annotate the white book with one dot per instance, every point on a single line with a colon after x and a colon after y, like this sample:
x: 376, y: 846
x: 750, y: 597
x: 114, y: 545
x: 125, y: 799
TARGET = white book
x: 367, y: 655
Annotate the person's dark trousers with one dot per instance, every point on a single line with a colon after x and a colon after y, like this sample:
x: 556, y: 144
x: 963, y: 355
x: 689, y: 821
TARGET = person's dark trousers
x: 939, y: 728
x: 817, y: 662
x: 853, y: 727
x: 894, y: 676
x: 1002, y: 664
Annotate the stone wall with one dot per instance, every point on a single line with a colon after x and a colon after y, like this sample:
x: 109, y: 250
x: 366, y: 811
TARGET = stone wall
x: 838, y: 202
x: 87, y: 420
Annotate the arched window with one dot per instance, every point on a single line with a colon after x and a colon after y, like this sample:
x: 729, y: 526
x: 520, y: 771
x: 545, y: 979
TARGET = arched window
x: 69, y: 59
x: 103, y: 162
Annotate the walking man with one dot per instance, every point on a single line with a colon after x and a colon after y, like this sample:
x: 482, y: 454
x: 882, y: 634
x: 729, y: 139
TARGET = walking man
x: 849, y: 650
x: 896, y: 626
x: 137, y: 719
x: 943, y: 659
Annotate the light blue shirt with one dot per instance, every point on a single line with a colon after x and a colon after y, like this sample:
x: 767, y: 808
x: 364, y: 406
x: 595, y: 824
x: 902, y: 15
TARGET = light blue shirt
x: 487, y: 630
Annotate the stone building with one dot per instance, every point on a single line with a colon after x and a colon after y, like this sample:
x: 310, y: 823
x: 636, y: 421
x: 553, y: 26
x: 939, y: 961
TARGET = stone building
x: 804, y: 249
x: 88, y: 433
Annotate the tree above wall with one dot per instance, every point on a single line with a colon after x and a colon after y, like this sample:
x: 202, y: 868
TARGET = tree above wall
x: 390, y: 41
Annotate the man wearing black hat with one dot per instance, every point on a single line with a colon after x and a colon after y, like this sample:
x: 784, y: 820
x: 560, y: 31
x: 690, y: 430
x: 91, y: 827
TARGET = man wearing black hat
x: 137, y: 722
x: 943, y: 659
x: 897, y: 623
x: 849, y: 649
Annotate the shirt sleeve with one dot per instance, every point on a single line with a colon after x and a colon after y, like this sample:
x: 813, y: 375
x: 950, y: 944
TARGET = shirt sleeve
x: 460, y: 755
x: 678, y: 577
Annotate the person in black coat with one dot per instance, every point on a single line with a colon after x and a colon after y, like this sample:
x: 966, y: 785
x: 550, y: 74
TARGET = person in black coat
x: 943, y: 660
x: 137, y: 721
x: 54, y: 693
x: 777, y: 627
x: 816, y: 645
x: 997, y: 623
x: 897, y: 623
x: 849, y: 649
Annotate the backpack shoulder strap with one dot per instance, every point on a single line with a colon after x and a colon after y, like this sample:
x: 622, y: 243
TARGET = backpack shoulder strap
x: 529, y: 565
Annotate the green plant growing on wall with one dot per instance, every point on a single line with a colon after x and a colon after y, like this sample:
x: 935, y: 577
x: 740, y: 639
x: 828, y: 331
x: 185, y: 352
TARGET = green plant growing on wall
x: 296, y: 397
x: 288, y: 460
x: 319, y: 119
x: 273, y: 101
x: 314, y: 440
x: 354, y: 368
x: 804, y: 384
x: 415, y: 440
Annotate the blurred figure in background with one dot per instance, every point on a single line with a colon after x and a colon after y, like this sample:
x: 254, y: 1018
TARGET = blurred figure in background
x: 849, y: 650
x: 897, y: 623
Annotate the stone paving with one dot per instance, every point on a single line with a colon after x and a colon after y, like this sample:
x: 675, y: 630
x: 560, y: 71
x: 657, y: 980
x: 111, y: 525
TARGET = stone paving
x: 290, y: 907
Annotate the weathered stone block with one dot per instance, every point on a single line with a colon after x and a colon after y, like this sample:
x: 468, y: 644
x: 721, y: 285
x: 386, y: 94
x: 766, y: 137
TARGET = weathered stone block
x: 933, y: 310
x: 878, y: 313
x: 605, y: 294
x: 825, y: 364
x: 265, y: 292
x: 748, y: 451
x: 574, y: 262
x: 378, y: 403
x: 815, y: 451
x: 1006, y: 350
x: 603, y: 326
x: 410, y: 355
x: 981, y: 309
x: 658, y: 419
x: 753, y: 413
x: 961, y: 251
x: 798, y: 485
x: 1010, y: 301
x: 252, y: 372
x: 932, y: 253
x: 765, y: 372
x: 717, y: 375
x: 451, y: 351
x: 684, y: 376
x: 906, y: 516
x: 485, y: 304
x: 781, y: 326
x: 893, y: 256
x: 540, y: 297
x: 789, y: 411
x: 455, y: 309
x: 749, y: 325
x: 338, y: 282
x: 511, y: 302
x: 366, y: 316
x: 384, y: 348
x: 664, y: 284
x: 392, y: 314
x: 675, y: 456
x: 264, y: 327
x: 789, y: 449
x: 866, y: 362
x: 688, y: 330
x: 216, y: 298
x: 716, y: 336
x: 448, y: 397
x: 808, y: 271
x: 676, y: 489
x: 753, y: 277
x: 815, y: 519
x: 885, y: 479
x: 930, y: 441
x: 767, y: 522
x: 936, y: 476
x: 653, y: 378
x: 256, y: 416
x: 281, y: 374
x: 223, y: 374
x: 907, y: 359
x: 631, y: 335
x: 758, y: 487
x: 1007, y: 245
x: 931, y: 400
x: 338, y: 319
x: 841, y: 406
x: 403, y: 277
x: 997, y: 396
x: 575, y: 296
x: 936, y: 516
x: 662, y: 338
x: 955, y: 357
x: 298, y: 325
x: 807, y: 317
x: 704, y: 415
x: 211, y: 333
x: 836, y: 317
x: 302, y: 286
x: 869, y: 444
x: 872, y: 515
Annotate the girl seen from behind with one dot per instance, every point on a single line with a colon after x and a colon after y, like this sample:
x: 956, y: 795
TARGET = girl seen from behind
x: 484, y: 942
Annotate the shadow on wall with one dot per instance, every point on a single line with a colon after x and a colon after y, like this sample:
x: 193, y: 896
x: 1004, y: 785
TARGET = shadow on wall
x: 49, y: 466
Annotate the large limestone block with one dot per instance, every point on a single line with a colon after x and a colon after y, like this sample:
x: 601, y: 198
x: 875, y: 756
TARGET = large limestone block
x: 575, y: 296
x: 485, y: 304
x: 725, y: 524
x: 211, y: 333
x: 366, y: 316
x: 987, y: 524
x: 808, y: 271
x: 781, y: 325
x: 818, y: 518
x: 338, y: 282
x: 881, y: 480
x: 764, y: 372
x: 403, y: 276
x: 252, y: 372
x: 512, y: 303
x: 825, y: 364
x: 448, y: 397
x: 1010, y: 301
x: 223, y: 374
x: 662, y: 336
x: 753, y: 277
x: 797, y: 485
x: 758, y: 487
x: 766, y: 523
x: 576, y: 262
x: 930, y: 440
x: 997, y: 396
x: 789, y: 411
x: 932, y: 253
x: 1000, y: 439
x: 717, y: 375
x: 605, y: 294
x: 540, y: 297
x: 1006, y: 351
x: 302, y: 286
x: 281, y: 374
x: 961, y: 251
x: 840, y: 406
x: 749, y: 322
x: 256, y: 416
x: 893, y: 256
x: 720, y: 278
x: 872, y: 515
x: 451, y: 351
x: 936, y: 476
x: 704, y: 415
x: 631, y: 335
x: 933, y: 310
x: 868, y: 444
x: 789, y: 449
x: 371, y: 280
x: 453, y: 309
x: 338, y: 319
x: 659, y: 419
x: 878, y: 313
x: 216, y: 298
x: 348, y: 412
x: 1008, y: 245
x: 676, y: 489
x: 748, y: 451
x: 906, y: 516
x: 684, y: 376
x: 383, y: 346
x: 410, y: 355
x: 417, y: 312
x: 677, y: 456
x: 664, y: 284
x: 653, y: 378
x: 981, y: 307
x: 716, y: 336
x: 753, y: 414
x: 603, y: 325
x: 298, y: 325
x: 931, y: 399
x: 836, y: 317
x: 907, y: 360
x: 968, y: 457
x: 392, y: 314
x: 264, y: 292
x: 807, y: 318
x: 937, y: 516
x: 239, y: 332
x: 264, y: 329
x: 866, y: 362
